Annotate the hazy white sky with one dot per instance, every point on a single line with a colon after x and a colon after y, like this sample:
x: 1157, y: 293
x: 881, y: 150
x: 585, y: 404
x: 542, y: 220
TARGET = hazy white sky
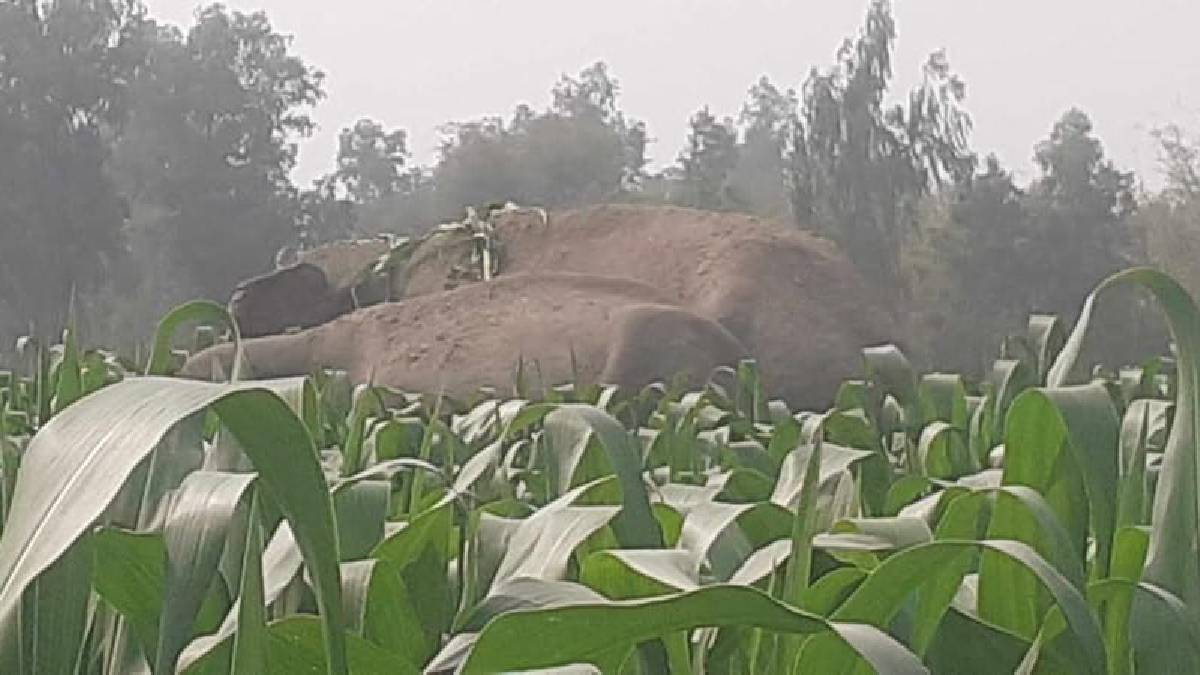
x: 416, y: 64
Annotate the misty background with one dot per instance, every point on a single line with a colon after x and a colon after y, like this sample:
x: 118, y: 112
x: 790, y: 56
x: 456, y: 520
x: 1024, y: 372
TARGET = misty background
x: 976, y: 161
x: 419, y: 63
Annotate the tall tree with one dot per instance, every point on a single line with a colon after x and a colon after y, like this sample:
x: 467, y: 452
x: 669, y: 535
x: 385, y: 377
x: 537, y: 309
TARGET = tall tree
x: 478, y: 163
x: 593, y: 96
x: 369, y: 169
x: 1081, y: 205
x: 324, y: 213
x: 63, y: 73
x: 757, y: 182
x: 708, y: 159
x: 212, y: 142
x: 370, y: 161
x: 1008, y: 251
x: 858, y: 168
x: 1180, y: 162
x: 1169, y: 222
x: 987, y: 259
x: 582, y: 149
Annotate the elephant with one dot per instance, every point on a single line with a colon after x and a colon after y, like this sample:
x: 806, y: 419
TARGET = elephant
x: 566, y: 327
x: 793, y: 299
x: 296, y: 296
x: 308, y: 288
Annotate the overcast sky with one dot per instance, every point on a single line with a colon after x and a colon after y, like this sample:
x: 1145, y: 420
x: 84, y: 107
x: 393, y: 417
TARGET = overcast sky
x: 416, y: 64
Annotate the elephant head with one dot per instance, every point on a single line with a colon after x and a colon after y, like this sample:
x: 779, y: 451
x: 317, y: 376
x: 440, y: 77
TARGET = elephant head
x: 313, y: 286
x: 296, y: 296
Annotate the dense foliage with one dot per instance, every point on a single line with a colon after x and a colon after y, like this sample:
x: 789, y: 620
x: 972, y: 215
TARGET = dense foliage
x: 60, y: 212
x: 1037, y: 521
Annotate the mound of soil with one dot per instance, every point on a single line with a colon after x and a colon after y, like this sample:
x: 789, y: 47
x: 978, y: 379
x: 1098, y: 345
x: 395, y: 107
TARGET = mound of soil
x: 619, y: 331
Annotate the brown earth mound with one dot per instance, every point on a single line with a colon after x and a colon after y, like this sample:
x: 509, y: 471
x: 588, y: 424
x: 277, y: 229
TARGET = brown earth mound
x: 621, y: 332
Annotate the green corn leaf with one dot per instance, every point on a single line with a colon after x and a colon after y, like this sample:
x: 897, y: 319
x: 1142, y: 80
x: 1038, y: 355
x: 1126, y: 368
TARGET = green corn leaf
x: 881, y: 596
x: 1172, y: 563
x: 380, y: 609
x: 200, y: 518
x: 603, y: 633
x: 571, y: 426
x: 249, y: 655
x: 196, y: 311
x: 129, y: 573
x: 104, y: 436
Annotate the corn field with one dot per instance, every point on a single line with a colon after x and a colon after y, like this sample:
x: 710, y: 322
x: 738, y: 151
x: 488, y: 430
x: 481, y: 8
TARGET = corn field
x: 1041, y: 521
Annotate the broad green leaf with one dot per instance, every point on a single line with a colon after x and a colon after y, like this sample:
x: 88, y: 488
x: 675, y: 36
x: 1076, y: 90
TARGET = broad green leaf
x: 129, y: 573
x: 480, y: 468
x: 1133, y: 496
x: 805, y: 523
x: 892, y: 371
x: 572, y: 425
x: 905, y: 491
x: 367, y: 404
x: 78, y: 462
x: 936, y: 451
x: 1129, y: 559
x: 69, y: 381
x: 897, y: 533
x: 885, y: 591
x: 1008, y: 379
x: 745, y: 486
x: 528, y: 593
x: 1092, y: 434
x: 761, y: 564
x: 250, y: 641
x: 379, y: 608
x: 685, y: 498
x: 543, y: 543
x: 419, y: 552
x: 623, y: 574
x: 835, y: 460
x: 487, y: 540
x: 725, y: 535
x: 360, y: 508
x: 1173, y: 564
x: 196, y: 311
x: 1164, y: 634
x: 1046, y: 337
x: 279, y: 446
x: 56, y: 613
x: 198, y: 521
x: 964, y: 644
x: 294, y: 645
x: 1061, y: 442
x: 603, y: 633
x: 943, y: 397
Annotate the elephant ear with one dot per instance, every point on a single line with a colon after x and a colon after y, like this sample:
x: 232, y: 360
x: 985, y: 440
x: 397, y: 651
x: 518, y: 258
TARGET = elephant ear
x: 272, y: 303
x: 286, y: 257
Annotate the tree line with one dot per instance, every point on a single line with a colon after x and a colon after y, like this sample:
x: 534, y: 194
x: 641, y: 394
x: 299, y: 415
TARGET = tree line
x: 143, y: 164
